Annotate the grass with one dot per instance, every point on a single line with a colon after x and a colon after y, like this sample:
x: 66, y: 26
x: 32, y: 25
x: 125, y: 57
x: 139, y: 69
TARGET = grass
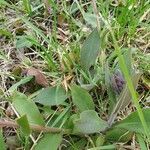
x: 49, y: 37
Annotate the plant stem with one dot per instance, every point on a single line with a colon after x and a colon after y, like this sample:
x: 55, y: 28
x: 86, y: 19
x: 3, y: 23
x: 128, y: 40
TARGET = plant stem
x: 36, y: 128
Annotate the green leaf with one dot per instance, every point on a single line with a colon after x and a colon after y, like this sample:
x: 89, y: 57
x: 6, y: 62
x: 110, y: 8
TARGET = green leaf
x: 24, y: 106
x: 90, y: 19
x: 105, y: 147
x: 23, y: 42
x: 27, y: 6
x: 141, y: 142
x: 128, y: 60
x: 60, y: 118
x: 2, y: 2
x: 90, y: 50
x: 78, y: 144
x: 81, y: 98
x: 51, y: 96
x: 49, y: 142
x: 22, y: 81
x: 5, y: 32
x: 2, y: 143
x: 118, y: 135
x: 18, y: 95
x: 24, y: 125
x: 133, y: 123
x: 127, y: 55
x: 89, y: 122
x: 100, y: 140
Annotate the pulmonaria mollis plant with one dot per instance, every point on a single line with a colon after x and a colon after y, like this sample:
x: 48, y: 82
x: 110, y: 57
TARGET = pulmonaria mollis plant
x: 117, y: 81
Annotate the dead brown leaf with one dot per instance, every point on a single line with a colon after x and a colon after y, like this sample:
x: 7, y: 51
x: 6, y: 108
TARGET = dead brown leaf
x: 39, y: 77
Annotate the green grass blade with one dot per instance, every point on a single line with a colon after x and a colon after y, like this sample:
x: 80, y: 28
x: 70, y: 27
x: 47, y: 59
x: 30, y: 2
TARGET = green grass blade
x: 2, y: 143
x: 36, y: 29
x: 27, y: 6
x: 44, y: 53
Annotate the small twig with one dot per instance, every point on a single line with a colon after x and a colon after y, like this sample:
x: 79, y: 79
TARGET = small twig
x: 36, y: 128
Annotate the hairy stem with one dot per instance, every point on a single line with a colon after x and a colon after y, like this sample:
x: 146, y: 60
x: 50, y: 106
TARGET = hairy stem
x: 36, y: 128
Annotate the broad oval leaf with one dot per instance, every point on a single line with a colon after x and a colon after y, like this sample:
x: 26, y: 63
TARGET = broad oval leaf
x: 49, y: 142
x: 51, y: 96
x: 89, y: 122
x: 24, y: 106
x: 24, y: 125
x: 133, y: 123
x: 23, y: 42
x: 90, y: 50
x: 81, y: 98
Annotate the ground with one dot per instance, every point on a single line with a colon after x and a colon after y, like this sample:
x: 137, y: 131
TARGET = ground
x: 79, y: 68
